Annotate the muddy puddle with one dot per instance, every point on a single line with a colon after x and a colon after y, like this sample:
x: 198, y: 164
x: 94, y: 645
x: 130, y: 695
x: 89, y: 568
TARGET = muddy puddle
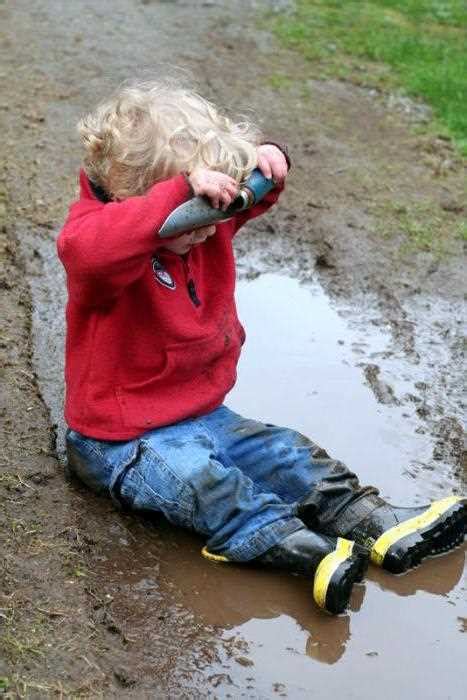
x: 241, y: 632
x: 332, y: 375
x: 262, y: 635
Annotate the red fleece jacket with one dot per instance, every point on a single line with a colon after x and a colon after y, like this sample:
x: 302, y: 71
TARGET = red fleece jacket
x: 152, y: 337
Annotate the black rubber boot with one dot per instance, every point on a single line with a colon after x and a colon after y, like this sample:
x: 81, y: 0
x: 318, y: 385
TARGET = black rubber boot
x: 398, y: 538
x: 334, y: 564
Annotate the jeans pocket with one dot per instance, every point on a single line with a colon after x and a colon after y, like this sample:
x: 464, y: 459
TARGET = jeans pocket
x: 150, y: 485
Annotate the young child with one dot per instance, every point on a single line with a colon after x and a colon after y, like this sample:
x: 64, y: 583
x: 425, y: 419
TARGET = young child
x: 153, y: 342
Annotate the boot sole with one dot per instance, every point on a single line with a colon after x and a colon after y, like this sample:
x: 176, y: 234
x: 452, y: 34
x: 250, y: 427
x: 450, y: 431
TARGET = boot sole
x: 439, y: 529
x: 336, y: 575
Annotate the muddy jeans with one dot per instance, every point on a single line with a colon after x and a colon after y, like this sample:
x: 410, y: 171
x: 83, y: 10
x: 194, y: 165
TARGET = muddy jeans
x: 236, y: 481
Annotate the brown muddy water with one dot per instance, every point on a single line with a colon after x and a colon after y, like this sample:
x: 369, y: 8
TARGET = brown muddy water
x: 303, y: 366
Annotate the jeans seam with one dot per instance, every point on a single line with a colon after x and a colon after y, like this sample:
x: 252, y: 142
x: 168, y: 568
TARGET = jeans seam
x: 185, y: 485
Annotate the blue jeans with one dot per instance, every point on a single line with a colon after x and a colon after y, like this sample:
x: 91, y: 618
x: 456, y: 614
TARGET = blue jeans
x: 237, y: 482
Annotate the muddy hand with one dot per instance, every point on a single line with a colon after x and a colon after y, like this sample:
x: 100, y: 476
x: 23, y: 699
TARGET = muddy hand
x: 199, y: 211
x: 272, y: 162
x: 220, y: 189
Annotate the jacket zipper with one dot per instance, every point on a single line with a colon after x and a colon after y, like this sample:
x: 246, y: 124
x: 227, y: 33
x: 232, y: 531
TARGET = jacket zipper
x: 190, y: 283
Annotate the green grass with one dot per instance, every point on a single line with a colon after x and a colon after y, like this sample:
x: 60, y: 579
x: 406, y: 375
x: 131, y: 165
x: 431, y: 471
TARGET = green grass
x: 4, y: 684
x: 462, y: 231
x: 417, y: 45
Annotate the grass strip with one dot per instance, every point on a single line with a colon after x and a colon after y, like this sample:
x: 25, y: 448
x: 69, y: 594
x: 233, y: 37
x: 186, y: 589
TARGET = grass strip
x: 417, y: 45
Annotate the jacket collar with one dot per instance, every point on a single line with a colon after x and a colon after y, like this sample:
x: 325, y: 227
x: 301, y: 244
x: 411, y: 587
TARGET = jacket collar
x: 89, y: 190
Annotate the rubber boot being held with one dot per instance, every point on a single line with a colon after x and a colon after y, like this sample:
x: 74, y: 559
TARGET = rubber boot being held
x: 397, y: 538
x: 334, y: 564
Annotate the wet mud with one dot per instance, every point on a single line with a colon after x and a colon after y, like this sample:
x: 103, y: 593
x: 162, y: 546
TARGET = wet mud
x: 350, y: 340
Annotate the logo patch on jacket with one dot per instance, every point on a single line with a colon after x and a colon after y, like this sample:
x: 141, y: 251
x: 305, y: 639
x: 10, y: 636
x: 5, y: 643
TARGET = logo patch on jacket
x: 161, y: 274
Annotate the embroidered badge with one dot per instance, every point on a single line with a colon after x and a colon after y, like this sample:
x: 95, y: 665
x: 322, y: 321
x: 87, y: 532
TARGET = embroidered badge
x: 162, y: 275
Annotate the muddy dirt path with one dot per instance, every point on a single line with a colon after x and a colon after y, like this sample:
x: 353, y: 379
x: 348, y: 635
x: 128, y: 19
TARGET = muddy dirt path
x: 368, y: 359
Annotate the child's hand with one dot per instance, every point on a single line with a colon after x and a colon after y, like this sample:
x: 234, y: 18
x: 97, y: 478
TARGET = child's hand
x: 272, y: 162
x: 219, y: 188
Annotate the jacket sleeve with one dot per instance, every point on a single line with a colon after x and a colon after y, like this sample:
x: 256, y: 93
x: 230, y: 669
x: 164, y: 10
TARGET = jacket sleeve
x: 268, y: 201
x: 105, y: 247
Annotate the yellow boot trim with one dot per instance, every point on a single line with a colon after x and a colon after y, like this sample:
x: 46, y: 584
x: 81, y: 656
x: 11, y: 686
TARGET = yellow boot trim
x: 408, y: 527
x: 327, y: 568
x: 213, y: 557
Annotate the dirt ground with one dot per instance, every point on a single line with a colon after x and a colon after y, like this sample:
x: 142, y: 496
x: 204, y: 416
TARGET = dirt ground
x: 99, y: 603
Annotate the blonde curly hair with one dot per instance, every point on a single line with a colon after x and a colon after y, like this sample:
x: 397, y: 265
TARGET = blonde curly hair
x: 150, y: 131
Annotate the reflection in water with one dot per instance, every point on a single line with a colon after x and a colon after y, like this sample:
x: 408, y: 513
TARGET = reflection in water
x: 438, y: 575
x: 233, y: 595
x: 328, y: 646
x: 158, y: 562
x: 357, y: 598
x: 230, y: 595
